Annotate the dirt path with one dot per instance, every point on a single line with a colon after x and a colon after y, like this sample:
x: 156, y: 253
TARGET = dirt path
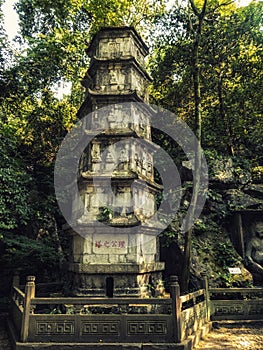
x: 234, y: 336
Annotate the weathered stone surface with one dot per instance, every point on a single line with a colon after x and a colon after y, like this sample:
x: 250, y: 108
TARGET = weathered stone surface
x: 254, y: 254
x: 238, y: 200
x: 96, y: 258
x: 124, y: 195
x: 255, y: 190
x: 117, y: 268
x: 118, y: 43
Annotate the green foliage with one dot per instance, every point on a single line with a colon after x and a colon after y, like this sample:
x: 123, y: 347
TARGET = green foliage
x: 15, y: 184
x: 214, y: 253
x: 124, y: 13
x: 170, y: 234
x: 230, y: 62
x: 105, y: 214
x: 224, y: 254
x: 229, y: 169
x: 27, y: 255
x: 257, y: 173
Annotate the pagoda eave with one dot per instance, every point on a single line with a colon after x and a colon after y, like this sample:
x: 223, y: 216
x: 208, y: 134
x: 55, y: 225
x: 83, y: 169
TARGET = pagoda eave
x: 131, y: 176
x: 127, y: 132
x: 125, y: 268
x: 114, y: 95
x: 104, y: 177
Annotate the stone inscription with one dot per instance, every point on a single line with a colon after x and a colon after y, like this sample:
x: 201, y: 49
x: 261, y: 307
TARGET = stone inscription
x: 110, y: 244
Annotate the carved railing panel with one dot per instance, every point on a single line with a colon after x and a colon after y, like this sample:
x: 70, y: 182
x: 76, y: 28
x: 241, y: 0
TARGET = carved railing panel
x: 96, y: 328
x: 236, y: 303
x: 100, y: 319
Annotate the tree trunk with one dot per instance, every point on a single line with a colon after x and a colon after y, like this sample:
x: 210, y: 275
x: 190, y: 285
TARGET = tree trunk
x: 185, y: 278
x: 224, y: 116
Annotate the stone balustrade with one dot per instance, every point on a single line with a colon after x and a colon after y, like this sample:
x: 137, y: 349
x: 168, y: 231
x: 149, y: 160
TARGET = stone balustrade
x: 236, y: 303
x: 107, y: 320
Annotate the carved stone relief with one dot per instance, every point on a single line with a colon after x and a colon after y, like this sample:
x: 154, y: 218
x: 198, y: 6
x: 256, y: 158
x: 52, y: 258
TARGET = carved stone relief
x: 123, y: 161
x: 113, y: 80
x: 114, y: 49
x: 95, y: 153
x: 254, y: 254
x: 149, y: 168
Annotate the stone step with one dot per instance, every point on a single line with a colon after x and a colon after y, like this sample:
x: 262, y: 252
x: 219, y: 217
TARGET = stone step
x: 236, y: 323
x: 96, y: 346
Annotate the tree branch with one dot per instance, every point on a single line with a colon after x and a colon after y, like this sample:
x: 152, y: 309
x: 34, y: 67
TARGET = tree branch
x: 194, y: 8
x: 202, y: 14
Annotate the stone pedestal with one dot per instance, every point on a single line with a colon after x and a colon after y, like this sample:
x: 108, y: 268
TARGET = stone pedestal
x: 115, y: 280
x: 119, y: 265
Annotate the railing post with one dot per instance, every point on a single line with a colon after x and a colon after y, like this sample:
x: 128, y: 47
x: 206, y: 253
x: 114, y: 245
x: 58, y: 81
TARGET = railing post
x: 29, y: 294
x: 207, y: 296
x: 176, y: 307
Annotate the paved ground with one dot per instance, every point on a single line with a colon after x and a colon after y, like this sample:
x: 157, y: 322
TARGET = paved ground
x: 234, y: 336
x: 225, y: 336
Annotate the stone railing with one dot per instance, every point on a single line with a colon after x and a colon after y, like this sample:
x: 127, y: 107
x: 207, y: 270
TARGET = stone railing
x: 194, y: 313
x: 88, y: 320
x: 236, y: 303
x: 17, y: 307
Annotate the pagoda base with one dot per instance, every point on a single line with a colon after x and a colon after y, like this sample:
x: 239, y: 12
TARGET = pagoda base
x: 115, y: 280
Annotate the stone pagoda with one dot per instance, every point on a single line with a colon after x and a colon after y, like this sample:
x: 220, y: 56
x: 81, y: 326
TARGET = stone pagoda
x: 115, y: 251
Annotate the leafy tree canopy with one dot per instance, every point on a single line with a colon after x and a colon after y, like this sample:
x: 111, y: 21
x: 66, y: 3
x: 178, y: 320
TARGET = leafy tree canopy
x: 230, y: 62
